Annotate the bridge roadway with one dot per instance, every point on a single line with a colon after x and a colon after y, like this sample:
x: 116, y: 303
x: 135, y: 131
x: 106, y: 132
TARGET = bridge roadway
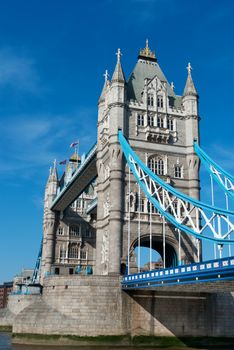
x: 82, y: 177
x: 205, y: 273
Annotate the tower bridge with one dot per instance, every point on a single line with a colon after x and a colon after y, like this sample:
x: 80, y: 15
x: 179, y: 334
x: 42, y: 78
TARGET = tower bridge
x: 139, y: 186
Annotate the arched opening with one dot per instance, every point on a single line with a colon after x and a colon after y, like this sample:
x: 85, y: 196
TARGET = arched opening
x: 171, y: 259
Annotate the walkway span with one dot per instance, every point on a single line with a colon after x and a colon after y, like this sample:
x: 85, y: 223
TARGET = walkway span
x: 82, y: 177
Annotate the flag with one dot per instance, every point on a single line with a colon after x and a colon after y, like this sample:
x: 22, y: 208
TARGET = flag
x: 74, y: 144
x: 63, y: 162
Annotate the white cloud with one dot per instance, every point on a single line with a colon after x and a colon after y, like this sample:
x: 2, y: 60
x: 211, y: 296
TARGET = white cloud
x: 18, y: 71
x: 34, y: 141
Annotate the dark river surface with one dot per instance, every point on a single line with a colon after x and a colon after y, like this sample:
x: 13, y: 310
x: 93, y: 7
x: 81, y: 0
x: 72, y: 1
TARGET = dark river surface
x: 5, y: 344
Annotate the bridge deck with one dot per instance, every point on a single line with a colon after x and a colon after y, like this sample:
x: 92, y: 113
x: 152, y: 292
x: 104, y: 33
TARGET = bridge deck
x: 213, y: 270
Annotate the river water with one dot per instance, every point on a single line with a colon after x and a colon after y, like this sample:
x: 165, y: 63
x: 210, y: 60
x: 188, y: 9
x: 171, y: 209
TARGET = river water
x: 5, y: 344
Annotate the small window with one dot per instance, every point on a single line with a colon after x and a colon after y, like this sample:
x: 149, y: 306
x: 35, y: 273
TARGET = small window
x: 170, y: 124
x: 140, y: 120
x: 160, y: 102
x: 75, y: 230
x: 160, y: 122
x: 71, y: 271
x: 150, y: 120
x: 60, y: 230
x: 178, y: 171
x: 56, y: 271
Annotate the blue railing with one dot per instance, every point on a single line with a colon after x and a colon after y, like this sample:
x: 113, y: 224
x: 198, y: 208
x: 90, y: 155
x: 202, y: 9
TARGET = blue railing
x: 198, y: 272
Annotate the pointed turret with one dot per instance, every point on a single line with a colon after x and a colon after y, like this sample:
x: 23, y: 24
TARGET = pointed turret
x: 190, y: 95
x: 103, y: 93
x: 52, y: 183
x: 190, y: 89
x: 118, y: 73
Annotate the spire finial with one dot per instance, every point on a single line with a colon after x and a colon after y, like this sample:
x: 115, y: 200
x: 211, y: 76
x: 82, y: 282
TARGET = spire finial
x: 119, y: 54
x: 189, y: 68
x: 147, y: 46
x: 106, y: 75
x: 55, y: 163
x: 147, y: 53
x: 172, y: 85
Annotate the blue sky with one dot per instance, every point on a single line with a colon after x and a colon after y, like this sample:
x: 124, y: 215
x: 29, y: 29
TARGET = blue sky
x: 53, y: 54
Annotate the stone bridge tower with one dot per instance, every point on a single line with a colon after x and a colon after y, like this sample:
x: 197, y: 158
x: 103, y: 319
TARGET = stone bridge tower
x: 161, y: 127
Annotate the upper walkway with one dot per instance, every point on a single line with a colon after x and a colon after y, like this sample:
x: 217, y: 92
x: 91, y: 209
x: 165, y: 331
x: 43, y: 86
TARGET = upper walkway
x: 82, y: 177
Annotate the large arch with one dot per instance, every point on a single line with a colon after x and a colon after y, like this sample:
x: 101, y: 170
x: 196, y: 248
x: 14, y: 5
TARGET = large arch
x: 171, y: 256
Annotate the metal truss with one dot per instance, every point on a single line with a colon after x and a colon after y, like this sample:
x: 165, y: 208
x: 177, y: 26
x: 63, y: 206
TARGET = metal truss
x: 223, y: 179
x: 185, y: 213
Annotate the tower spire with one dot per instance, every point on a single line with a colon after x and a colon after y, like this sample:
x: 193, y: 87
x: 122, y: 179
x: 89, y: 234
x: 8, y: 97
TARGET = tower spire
x: 189, y: 86
x: 118, y: 73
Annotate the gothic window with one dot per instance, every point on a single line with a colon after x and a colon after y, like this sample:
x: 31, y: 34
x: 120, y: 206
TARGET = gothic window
x: 150, y: 100
x: 160, y: 102
x: 60, y: 230
x: 140, y: 120
x: 160, y: 122
x: 79, y: 203
x: 75, y: 230
x: 83, y: 254
x: 142, y: 205
x: 160, y: 167
x: 62, y: 253
x: 74, y: 251
x: 156, y: 165
x: 178, y: 171
x: 151, y: 207
x: 170, y: 124
x: 150, y: 120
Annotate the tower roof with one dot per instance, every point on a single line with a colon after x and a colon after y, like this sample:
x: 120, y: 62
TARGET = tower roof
x: 148, y: 68
x: 189, y: 86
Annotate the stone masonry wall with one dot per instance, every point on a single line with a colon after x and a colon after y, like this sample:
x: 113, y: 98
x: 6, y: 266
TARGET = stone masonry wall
x: 82, y: 305
x: 16, y: 303
x: 96, y: 305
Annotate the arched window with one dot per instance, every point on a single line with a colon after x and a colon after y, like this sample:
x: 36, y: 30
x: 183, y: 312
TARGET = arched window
x: 150, y: 120
x: 150, y: 100
x: 156, y: 165
x: 74, y: 251
x: 140, y: 120
x: 170, y: 124
x: 160, y: 122
x: 60, y: 231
